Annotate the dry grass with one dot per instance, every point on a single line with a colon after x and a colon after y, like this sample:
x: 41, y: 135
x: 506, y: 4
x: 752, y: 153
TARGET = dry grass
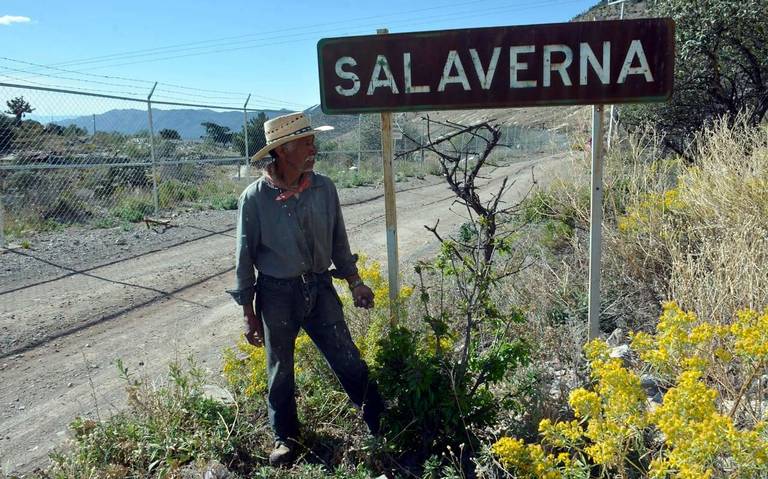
x: 722, y: 266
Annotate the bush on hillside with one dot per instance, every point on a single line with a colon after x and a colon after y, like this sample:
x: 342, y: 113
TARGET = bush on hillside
x: 720, y: 68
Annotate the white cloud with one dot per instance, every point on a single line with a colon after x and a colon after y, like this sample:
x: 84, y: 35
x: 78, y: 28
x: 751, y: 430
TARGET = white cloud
x: 8, y: 19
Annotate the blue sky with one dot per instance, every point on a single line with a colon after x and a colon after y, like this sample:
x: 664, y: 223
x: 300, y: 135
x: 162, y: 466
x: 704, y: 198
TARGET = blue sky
x: 267, y: 49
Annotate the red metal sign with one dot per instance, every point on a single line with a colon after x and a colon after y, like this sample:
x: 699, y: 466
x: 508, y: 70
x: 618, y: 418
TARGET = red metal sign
x: 615, y: 61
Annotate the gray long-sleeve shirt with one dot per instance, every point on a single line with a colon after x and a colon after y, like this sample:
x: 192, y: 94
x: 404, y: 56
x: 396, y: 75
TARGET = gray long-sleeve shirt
x: 285, y: 239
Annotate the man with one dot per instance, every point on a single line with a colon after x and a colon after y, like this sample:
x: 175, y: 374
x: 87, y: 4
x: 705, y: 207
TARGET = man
x: 290, y: 229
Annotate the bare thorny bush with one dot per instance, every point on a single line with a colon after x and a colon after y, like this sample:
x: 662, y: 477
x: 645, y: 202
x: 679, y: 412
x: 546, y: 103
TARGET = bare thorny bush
x: 468, y: 341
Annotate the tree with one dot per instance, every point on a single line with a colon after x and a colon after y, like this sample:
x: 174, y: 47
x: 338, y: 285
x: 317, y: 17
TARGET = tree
x: 17, y: 107
x: 256, y: 138
x: 217, y: 133
x: 721, y: 67
x: 169, y: 134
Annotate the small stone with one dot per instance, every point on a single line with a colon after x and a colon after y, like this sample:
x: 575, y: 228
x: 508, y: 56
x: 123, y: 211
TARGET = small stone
x: 69, y: 385
x: 21, y: 408
x: 120, y: 241
x: 650, y: 385
x: 220, y: 395
x: 621, y: 352
x: 616, y: 338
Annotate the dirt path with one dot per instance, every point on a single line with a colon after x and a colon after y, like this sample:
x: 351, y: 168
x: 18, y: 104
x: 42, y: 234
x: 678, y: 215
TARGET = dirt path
x: 163, y: 305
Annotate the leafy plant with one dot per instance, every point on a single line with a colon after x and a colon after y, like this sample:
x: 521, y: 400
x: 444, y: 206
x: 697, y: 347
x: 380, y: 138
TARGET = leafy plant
x: 164, y: 428
x: 439, y: 375
x: 224, y: 202
x: 132, y: 209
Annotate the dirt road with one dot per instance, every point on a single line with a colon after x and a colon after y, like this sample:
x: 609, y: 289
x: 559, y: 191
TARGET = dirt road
x: 162, y: 305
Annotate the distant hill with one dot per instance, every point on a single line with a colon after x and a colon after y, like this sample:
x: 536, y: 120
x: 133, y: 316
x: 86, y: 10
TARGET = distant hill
x: 342, y: 124
x: 186, y: 122
x: 603, y: 11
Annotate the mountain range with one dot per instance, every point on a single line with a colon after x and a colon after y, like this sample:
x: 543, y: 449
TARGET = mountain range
x: 187, y: 122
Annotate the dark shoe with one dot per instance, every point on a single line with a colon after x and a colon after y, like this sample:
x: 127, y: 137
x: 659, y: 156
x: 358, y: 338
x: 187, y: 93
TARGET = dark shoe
x: 282, y: 455
x: 372, y: 417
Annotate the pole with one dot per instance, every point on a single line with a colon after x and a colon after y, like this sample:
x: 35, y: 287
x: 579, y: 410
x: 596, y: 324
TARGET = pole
x: 155, y: 202
x: 359, y: 139
x: 595, y: 221
x: 390, y: 209
x: 610, y: 115
x: 421, y: 144
x: 245, y: 133
x: 94, y: 124
x: 2, y: 222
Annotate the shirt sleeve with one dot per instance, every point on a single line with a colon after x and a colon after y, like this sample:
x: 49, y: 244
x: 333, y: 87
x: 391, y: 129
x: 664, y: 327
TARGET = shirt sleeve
x: 247, y: 235
x: 341, y: 255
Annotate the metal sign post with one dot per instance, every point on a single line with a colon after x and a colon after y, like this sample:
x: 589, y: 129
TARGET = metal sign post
x: 390, y: 207
x: 595, y: 222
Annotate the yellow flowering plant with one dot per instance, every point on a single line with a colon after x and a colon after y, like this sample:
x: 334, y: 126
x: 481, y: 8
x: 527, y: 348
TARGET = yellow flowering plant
x: 369, y: 326
x: 698, y: 431
x: 245, y: 367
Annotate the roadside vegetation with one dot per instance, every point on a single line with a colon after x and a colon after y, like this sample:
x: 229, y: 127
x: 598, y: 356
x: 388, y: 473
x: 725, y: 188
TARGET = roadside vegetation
x: 676, y: 391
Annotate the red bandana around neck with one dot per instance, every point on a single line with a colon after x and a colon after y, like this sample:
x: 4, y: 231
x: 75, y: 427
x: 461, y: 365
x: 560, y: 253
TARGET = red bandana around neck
x: 304, y: 182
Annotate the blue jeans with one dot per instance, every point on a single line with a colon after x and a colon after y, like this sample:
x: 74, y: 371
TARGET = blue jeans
x: 312, y: 304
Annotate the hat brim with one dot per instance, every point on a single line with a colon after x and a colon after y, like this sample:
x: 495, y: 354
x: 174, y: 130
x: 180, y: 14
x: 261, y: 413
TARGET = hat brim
x: 258, y: 158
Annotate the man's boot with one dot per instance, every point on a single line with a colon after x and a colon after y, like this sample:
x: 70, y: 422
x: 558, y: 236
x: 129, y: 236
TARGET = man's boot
x: 282, y: 454
x: 372, y: 412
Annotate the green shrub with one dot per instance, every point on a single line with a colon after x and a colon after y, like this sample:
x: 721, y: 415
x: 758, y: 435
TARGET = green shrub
x: 67, y: 209
x: 173, y: 192
x: 105, y: 223
x: 132, y: 209
x: 163, y: 429
x: 224, y: 202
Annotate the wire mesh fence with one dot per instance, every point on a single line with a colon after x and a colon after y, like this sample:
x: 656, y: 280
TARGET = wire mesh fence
x: 98, y: 160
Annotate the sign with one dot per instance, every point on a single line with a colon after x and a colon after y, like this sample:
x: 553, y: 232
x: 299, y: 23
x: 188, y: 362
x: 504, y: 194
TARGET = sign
x: 614, y: 61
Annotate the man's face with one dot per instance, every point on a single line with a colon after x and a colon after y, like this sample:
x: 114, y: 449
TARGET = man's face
x: 299, y: 154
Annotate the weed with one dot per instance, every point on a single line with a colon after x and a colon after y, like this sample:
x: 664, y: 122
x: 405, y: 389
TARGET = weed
x: 105, y: 223
x: 173, y: 192
x: 224, y: 202
x: 132, y: 209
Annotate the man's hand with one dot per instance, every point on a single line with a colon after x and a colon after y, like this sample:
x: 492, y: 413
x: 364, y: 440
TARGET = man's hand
x: 254, y: 329
x: 363, y: 297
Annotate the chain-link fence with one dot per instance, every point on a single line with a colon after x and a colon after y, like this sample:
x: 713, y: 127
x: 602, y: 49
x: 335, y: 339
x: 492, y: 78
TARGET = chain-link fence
x: 100, y: 160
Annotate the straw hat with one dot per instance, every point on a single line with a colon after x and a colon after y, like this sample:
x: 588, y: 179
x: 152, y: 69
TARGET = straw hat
x: 282, y: 129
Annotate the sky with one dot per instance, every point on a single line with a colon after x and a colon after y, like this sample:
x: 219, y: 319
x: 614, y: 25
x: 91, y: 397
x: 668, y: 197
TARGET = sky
x: 213, y: 52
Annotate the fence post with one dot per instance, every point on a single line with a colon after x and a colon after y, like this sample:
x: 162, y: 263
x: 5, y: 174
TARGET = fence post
x: 2, y: 221
x: 155, y: 202
x: 359, y: 140
x: 245, y: 134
